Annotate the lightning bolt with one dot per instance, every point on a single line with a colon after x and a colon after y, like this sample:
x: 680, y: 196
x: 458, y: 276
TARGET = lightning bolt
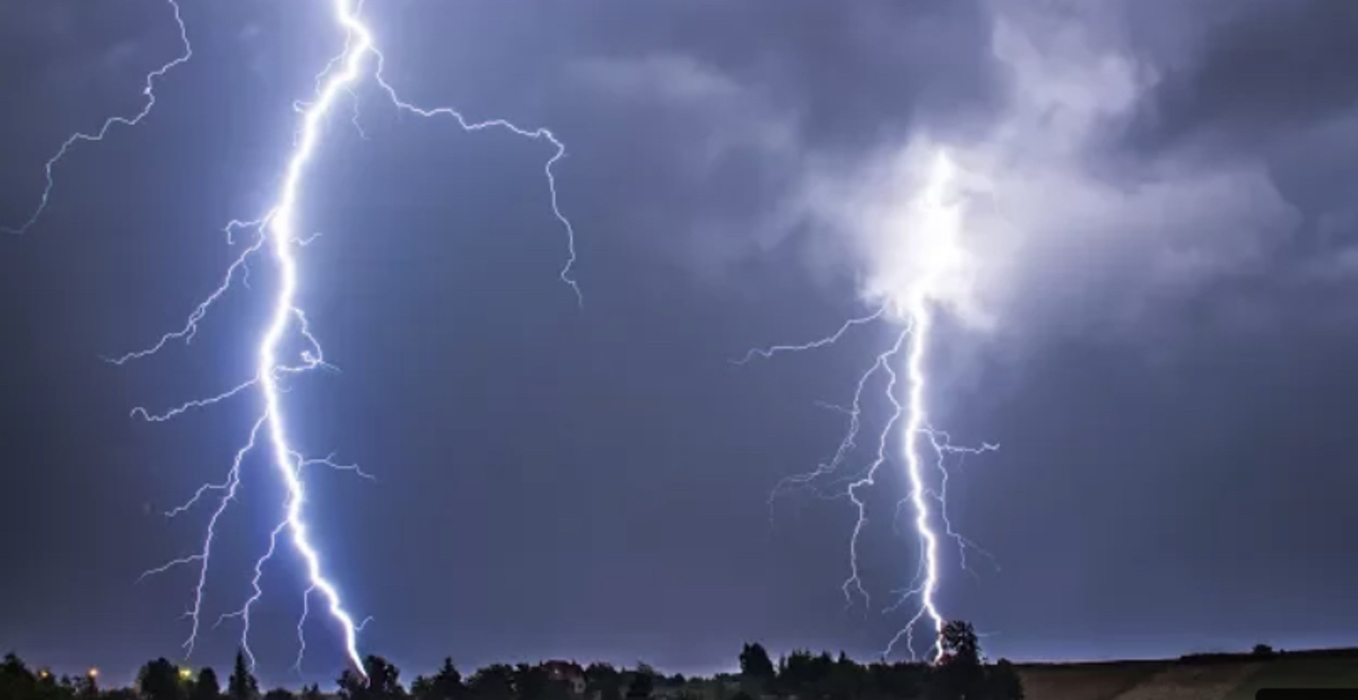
x: 275, y: 234
x: 905, y: 355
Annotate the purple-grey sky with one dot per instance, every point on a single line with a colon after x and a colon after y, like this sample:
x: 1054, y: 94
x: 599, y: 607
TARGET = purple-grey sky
x: 1152, y: 317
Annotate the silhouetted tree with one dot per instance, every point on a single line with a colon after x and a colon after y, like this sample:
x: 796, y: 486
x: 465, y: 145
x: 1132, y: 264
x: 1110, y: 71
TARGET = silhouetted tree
x: 65, y: 689
x: 446, y: 684
x: 846, y: 680
x: 383, y: 681
x: 958, y: 673
x: 805, y: 674
x: 49, y: 687
x: 642, y: 684
x: 159, y: 680
x: 960, y: 644
x: 755, y: 662
x: 1262, y: 650
x: 85, y: 687
x: 422, y: 687
x: 756, y: 669
x: 207, y: 687
x: 16, y: 680
x: 493, y: 682
x: 901, y: 680
x: 242, y: 685
x: 530, y: 682
x: 604, y: 680
x: 537, y: 682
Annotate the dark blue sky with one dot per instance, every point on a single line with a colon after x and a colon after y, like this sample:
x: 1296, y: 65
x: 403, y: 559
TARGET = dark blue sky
x: 1175, y: 473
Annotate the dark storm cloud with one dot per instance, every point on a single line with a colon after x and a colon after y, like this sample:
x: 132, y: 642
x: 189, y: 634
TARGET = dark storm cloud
x: 729, y: 113
x: 1255, y: 71
x: 770, y: 89
x: 1272, y: 83
x: 700, y: 116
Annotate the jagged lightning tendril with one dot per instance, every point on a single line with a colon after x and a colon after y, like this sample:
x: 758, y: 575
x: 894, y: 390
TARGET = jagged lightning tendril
x: 909, y: 349
x: 772, y: 350
x: 301, y: 623
x: 275, y: 234
x: 204, y: 555
x: 149, y: 91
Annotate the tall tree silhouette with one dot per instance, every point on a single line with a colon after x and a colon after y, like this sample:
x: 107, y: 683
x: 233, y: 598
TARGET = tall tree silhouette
x: 85, y: 687
x: 493, y: 682
x: 642, y: 684
x: 446, y: 684
x: 603, y: 681
x: 207, y: 687
x: 159, y: 680
x: 16, y: 679
x: 959, y: 673
x: 242, y: 685
x: 383, y: 682
x: 756, y: 669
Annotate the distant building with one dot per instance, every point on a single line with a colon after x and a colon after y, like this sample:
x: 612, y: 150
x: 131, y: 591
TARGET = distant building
x: 567, y: 672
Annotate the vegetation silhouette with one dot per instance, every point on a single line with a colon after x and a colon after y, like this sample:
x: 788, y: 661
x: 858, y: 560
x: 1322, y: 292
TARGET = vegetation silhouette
x: 960, y: 673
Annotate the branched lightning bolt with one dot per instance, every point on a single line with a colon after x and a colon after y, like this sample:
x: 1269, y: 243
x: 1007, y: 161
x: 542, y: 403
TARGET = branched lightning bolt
x: 149, y: 91
x: 917, y: 435
x: 204, y: 555
x: 275, y: 233
x: 535, y: 134
x: 831, y: 339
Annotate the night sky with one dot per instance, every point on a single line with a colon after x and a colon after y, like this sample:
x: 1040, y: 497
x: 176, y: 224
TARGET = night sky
x: 1168, y: 362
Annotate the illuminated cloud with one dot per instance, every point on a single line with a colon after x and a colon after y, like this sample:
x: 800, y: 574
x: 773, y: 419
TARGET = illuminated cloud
x: 1031, y: 220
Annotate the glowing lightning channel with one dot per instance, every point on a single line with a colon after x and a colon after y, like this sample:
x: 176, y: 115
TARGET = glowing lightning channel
x: 917, y: 430
x: 911, y: 341
x: 276, y: 233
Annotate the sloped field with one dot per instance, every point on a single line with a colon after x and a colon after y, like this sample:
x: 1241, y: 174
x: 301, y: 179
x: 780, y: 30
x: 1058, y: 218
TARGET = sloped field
x: 1192, y: 682
x: 1318, y: 672
x: 1221, y: 678
x: 1102, y: 681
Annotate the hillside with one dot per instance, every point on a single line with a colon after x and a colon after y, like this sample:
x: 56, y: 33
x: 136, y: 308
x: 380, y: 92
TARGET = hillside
x: 1202, y: 677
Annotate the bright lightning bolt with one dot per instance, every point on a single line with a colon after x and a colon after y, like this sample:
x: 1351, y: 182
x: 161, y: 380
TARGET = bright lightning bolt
x: 906, y: 355
x: 275, y: 234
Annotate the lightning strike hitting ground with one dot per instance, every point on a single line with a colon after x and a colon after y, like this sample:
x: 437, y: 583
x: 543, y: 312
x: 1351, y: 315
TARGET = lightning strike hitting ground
x: 276, y: 233
x: 908, y: 349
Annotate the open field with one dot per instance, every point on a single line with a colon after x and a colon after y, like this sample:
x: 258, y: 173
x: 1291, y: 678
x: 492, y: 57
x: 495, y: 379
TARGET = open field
x: 1214, y: 677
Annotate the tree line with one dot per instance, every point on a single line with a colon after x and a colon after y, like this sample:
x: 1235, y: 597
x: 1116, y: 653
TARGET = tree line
x: 959, y: 673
